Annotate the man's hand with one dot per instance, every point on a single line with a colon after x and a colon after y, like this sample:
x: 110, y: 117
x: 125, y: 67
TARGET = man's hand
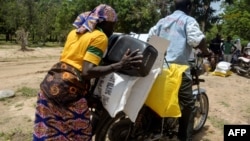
x: 204, y: 55
x: 202, y: 46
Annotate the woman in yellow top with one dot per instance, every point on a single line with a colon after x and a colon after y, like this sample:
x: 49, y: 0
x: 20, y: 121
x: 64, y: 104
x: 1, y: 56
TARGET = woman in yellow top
x: 62, y: 110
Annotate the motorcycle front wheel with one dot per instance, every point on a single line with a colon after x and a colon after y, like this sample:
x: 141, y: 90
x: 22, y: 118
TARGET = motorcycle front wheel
x: 202, y: 107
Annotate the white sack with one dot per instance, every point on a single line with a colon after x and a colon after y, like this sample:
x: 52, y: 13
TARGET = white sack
x: 114, y: 90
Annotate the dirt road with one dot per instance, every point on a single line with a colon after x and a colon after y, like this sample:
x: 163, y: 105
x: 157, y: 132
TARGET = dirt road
x: 228, y: 96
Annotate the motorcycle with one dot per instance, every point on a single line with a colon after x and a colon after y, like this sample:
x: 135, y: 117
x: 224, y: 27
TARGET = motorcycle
x: 243, y: 65
x: 121, y: 128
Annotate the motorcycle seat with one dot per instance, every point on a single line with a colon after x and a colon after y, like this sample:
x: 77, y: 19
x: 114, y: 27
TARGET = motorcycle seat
x: 244, y: 59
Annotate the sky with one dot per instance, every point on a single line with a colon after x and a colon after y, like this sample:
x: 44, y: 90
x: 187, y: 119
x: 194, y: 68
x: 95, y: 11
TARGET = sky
x: 216, y: 6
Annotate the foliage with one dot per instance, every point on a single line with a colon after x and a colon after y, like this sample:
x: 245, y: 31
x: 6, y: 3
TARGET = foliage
x: 212, y: 33
x: 236, y: 20
x: 135, y: 16
x: 204, y: 13
x: 11, y: 16
x: 51, y: 20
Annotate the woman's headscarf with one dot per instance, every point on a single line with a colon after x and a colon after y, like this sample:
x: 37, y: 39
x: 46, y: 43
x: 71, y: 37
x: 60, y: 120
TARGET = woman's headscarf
x: 87, y: 21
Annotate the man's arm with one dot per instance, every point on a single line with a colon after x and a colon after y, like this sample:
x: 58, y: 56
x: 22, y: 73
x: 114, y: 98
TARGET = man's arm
x: 234, y: 48
x: 202, y: 46
x: 196, y: 38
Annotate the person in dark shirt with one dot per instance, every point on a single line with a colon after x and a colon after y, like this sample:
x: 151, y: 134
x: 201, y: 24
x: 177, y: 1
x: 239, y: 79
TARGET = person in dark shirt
x: 215, y: 47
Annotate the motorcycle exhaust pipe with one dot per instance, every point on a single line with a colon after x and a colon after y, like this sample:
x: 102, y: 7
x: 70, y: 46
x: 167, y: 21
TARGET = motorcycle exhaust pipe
x: 239, y: 68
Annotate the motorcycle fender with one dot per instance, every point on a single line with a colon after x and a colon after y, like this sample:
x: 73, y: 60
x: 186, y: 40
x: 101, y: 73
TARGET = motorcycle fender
x: 196, y: 91
x: 246, y: 60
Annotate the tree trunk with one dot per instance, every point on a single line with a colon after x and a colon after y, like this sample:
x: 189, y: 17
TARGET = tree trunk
x: 22, y: 38
x: 203, y: 25
x: 7, y: 37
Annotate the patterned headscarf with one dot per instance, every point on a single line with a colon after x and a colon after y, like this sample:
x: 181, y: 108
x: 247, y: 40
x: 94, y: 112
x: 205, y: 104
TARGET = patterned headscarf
x: 87, y: 21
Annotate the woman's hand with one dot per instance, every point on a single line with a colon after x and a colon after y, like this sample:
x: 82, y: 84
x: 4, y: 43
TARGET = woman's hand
x: 130, y: 60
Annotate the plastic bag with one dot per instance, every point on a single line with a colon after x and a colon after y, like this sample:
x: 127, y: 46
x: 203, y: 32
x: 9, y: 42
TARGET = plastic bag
x: 163, y: 97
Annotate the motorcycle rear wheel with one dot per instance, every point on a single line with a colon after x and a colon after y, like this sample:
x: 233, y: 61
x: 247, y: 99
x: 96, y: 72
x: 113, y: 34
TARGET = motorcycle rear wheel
x: 120, y: 131
x: 202, y: 105
x: 113, y: 129
x: 118, y: 128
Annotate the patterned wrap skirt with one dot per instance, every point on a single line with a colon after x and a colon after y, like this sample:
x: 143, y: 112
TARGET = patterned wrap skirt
x: 56, y: 117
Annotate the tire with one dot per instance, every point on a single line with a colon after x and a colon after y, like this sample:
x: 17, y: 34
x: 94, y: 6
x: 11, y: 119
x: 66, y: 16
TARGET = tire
x: 104, y: 133
x: 97, y: 120
x: 120, y: 130
x: 202, y: 105
x: 241, y: 65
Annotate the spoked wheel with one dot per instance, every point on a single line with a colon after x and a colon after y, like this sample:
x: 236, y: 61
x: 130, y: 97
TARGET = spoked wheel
x: 120, y: 130
x: 202, y: 105
x: 114, y: 129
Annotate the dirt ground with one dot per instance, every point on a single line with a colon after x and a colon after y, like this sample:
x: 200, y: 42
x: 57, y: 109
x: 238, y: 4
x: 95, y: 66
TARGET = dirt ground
x: 228, y: 96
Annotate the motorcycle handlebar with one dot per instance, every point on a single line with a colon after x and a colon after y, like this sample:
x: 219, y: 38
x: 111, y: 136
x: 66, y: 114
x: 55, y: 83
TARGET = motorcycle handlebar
x: 202, y: 55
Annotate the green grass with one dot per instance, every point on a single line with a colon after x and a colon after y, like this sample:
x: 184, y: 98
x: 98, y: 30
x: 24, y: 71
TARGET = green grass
x: 7, y: 43
x: 15, y: 134
x: 5, y: 120
x: 27, y: 92
x: 3, y: 99
x: 33, y: 45
x: 6, y: 100
x: 48, y: 45
x: 4, y: 136
x: 19, y: 105
x: 206, y: 139
x: 217, y: 122
x: 224, y: 104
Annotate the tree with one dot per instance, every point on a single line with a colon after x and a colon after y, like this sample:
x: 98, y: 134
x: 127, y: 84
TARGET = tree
x: 32, y: 18
x: 22, y: 38
x: 47, y: 12
x: 66, y: 14
x: 229, y: 1
x: 236, y: 20
x: 136, y: 16
x: 204, y: 13
x: 13, y: 16
x: 52, y: 19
